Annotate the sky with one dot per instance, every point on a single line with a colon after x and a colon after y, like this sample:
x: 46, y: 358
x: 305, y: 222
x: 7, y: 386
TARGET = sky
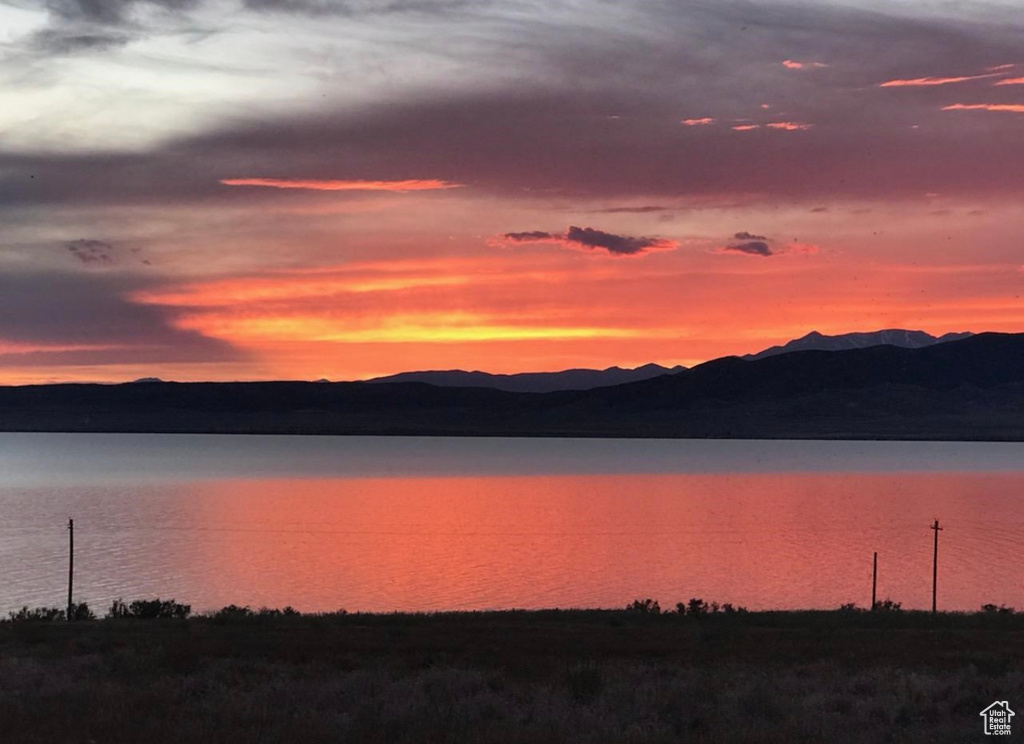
x: 340, y: 189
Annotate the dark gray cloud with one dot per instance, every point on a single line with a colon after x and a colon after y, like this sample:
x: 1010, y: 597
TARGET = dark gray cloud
x: 744, y: 235
x: 590, y: 238
x: 552, y: 132
x: 91, y: 252
x: 95, y: 253
x: 632, y: 210
x: 751, y: 248
x: 622, y: 245
x: 533, y: 236
x: 94, y: 309
x: 77, y: 26
x: 110, y: 12
x: 361, y: 7
x: 59, y: 42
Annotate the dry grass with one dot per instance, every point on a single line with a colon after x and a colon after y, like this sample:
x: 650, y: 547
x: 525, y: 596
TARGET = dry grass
x: 509, y: 677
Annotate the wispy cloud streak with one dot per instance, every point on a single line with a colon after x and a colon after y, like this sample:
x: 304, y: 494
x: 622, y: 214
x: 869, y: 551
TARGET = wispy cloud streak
x: 792, y: 64
x: 789, y: 126
x: 1015, y: 108
x: 330, y: 185
x: 932, y: 81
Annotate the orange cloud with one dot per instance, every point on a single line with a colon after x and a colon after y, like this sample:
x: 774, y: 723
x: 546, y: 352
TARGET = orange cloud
x: 16, y: 347
x: 746, y: 127
x: 698, y: 122
x: 310, y: 323
x: 1012, y: 81
x: 928, y: 81
x: 333, y: 282
x: 1015, y: 108
x: 397, y: 328
x: 791, y: 64
x: 329, y: 185
x: 789, y: 126
x: 518, y: 310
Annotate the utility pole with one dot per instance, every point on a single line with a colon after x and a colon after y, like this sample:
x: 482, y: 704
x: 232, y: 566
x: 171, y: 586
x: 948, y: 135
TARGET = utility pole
x: 71, y: 564
x: 935, y: 564
x: 874, y: 581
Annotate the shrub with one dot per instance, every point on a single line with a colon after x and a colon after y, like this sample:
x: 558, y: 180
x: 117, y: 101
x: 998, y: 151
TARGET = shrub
x: 36, y: 615
x: 644, y: 607
x: 698, y: 607
x: 234, y: 612
x: 991, y: 609
x: 850, y: 607
x: 887, y: 605
x: 80, y: 611
x: 728, y: 609
x: 148, y: 609
x: 288, y: 611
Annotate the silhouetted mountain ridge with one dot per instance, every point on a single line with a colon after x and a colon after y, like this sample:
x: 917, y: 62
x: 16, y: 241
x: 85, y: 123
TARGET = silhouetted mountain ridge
x: 588, y: 379
x: 533, y: 382
x: 815, y: 341
x: 967, y: 389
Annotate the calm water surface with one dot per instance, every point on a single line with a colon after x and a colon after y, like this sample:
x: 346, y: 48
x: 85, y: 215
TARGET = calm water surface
x: 380, y: 524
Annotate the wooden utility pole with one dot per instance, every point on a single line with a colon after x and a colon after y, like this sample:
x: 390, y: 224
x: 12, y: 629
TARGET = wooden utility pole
x: 71, y: 564
x: 935, y: 564
x: 874, y: 581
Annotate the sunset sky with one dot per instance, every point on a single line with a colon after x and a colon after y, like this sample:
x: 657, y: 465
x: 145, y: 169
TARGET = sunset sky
x: 271, y: 189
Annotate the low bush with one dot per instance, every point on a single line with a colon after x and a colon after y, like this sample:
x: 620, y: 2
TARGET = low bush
x: 80, y: 611
x: 887, y: 605
x: 148, y: 609
x: 697, y: 607
x: 37, y: 615
x: 234, y: 612
x: 991, y: 609
x: 644, y: 607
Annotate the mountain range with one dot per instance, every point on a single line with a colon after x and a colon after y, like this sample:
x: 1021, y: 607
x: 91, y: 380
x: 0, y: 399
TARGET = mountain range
x: 970, y: 389
x: 815, y: 341
x: 534, y: 382
x: 588, y: 379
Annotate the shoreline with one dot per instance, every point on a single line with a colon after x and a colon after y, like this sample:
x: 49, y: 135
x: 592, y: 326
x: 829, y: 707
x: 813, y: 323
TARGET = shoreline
x: 1017, y: 438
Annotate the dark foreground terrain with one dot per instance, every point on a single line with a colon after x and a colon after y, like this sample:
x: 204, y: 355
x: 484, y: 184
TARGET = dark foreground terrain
x: 572, y: 676
x: 971, y: 389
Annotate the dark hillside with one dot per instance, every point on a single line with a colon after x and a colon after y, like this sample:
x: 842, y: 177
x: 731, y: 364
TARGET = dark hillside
x: 969, y: 389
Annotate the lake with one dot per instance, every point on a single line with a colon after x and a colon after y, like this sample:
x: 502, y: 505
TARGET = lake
x: 419, y: 523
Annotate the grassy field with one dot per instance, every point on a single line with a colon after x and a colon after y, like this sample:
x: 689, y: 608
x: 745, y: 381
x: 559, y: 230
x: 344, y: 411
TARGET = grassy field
x: 558, y: 676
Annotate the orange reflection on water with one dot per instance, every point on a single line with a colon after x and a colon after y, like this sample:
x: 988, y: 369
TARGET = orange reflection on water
x: 762, y: 540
